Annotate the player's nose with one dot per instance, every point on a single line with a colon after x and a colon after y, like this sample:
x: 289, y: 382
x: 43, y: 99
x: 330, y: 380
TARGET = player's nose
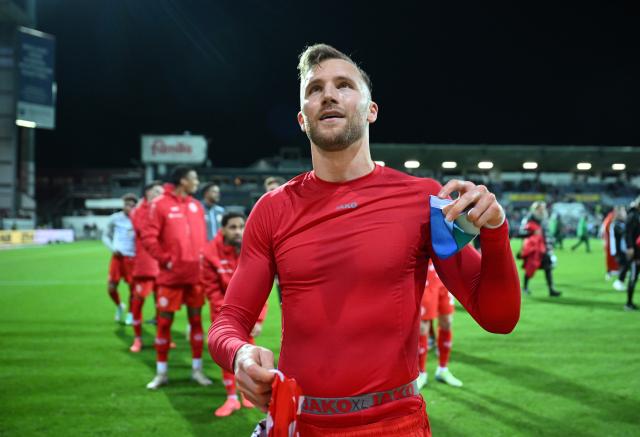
x: 329, y: 93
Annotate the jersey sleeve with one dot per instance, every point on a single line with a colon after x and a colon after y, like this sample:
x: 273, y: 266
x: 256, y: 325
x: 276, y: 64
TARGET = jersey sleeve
x: 613, y: 249
x: 213, y: 290
x: 248, y: 290
x: 151, y: 234
x: 487, y: 286
x: 211, y: 281
x: 107, y: 236
x: 138, y: 220
x: 631, y: 231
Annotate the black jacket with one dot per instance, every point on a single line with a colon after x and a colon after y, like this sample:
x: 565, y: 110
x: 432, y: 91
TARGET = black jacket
x: 633, y: 230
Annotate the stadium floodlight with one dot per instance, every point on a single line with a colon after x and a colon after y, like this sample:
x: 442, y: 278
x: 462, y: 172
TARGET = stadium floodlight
x: 25, y: 123
x: 449, y: 164
x: 618, y: 166
x: 530, y: 165
x: 584, y: 166
x: 485, y: 165
x: 412, y: 164
x: 380, y: 163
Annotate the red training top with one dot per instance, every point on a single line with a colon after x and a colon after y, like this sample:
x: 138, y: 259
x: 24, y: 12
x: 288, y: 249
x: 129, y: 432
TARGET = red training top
x: 175, y: 233
x: 352, y: 261
x: 533, y: 248
x: 144, y: 265
x: 220, y: 263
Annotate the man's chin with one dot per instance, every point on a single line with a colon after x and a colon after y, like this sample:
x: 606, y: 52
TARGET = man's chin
x: 332, y: 146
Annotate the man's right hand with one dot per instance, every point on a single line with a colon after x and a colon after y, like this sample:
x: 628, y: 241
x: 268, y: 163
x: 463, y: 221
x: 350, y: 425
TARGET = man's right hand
x: 253, y: 378
x: 630, y: 253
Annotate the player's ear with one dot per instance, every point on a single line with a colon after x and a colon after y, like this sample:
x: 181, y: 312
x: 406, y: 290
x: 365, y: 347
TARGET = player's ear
x: 301, y: 121
x: 372, y: 115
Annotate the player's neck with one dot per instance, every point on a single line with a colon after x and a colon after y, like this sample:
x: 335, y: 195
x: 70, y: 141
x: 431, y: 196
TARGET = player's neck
x: 228, y: 242
x: 343, y: 165
x: 180, y: 192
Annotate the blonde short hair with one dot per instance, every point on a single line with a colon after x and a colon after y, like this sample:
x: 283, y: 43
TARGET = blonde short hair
x: 314, y: 55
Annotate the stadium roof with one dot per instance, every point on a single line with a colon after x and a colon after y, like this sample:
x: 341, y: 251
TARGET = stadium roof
x: 508, y: 158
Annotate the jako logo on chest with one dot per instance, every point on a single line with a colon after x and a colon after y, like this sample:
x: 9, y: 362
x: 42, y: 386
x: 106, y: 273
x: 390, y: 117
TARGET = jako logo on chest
x: 350, y: 205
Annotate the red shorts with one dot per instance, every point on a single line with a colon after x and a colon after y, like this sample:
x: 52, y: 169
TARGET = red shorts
x: 436, y: 301
x: 171, y: 298
x: 121, y: 267
x: 143, y: 287
x: 415, y: 424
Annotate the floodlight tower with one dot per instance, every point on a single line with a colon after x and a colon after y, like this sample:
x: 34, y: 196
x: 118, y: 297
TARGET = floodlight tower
x: 27, y: 101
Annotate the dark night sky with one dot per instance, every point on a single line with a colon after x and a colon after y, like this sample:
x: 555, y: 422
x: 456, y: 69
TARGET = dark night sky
x: 448, y: 72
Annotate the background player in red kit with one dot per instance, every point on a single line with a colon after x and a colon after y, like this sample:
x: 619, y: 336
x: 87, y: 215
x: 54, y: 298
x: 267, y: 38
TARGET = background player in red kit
x: 536, y: 252
x: 145, y: 267
x: 119, y: 238
x: 606, y: 233
x: 437, y: 303
x: 350, y: 316
x: 220, y: 261
x: 175, y: 236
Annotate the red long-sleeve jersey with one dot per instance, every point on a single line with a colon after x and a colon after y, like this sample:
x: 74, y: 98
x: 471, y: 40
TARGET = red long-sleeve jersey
x: 219, y: 265
x: 144, y: 265
x: 352, y: 262
x: 175, y: 233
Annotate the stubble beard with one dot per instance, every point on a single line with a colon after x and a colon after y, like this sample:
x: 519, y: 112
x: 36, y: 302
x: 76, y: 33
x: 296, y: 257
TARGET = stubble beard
x: 336, y: 140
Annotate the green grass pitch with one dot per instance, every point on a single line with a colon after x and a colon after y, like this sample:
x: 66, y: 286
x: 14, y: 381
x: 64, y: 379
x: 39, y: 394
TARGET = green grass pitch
x: 571, y: 368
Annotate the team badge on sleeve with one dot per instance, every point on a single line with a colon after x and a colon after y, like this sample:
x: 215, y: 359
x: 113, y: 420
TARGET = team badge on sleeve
x: 448, y: 238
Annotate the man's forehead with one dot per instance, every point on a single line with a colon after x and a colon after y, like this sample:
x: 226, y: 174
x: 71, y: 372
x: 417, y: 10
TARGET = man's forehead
x: 235, y: 221
x: 332, y: 68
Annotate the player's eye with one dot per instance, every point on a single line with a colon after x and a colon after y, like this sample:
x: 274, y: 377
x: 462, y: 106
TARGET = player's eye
x: 344, y: 85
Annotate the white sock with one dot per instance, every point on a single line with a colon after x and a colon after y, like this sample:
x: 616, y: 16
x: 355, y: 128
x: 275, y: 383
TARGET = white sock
x: 196, y: 363
x: 442, y: 369
x: 162, y: 367
x: 235, y: 397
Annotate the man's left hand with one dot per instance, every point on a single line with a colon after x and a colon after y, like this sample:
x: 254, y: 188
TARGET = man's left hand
x: 484, y: 209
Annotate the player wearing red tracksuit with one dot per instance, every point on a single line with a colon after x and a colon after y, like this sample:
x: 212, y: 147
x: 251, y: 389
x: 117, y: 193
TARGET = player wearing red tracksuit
x: 437, y: 303
x: 145, y: 267
x: 350, y: 242
x: 175, y: 236
x: 220, y: 262
x: 536, y: 252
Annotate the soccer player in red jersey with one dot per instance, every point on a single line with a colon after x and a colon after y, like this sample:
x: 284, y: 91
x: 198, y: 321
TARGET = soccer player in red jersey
x: 350, y: 242
x: 175, y: 236
x: 119, y: 238
x: 437, y: 303
x: 145, y: 267
x: 536, y: 252
x: 220, y: 262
